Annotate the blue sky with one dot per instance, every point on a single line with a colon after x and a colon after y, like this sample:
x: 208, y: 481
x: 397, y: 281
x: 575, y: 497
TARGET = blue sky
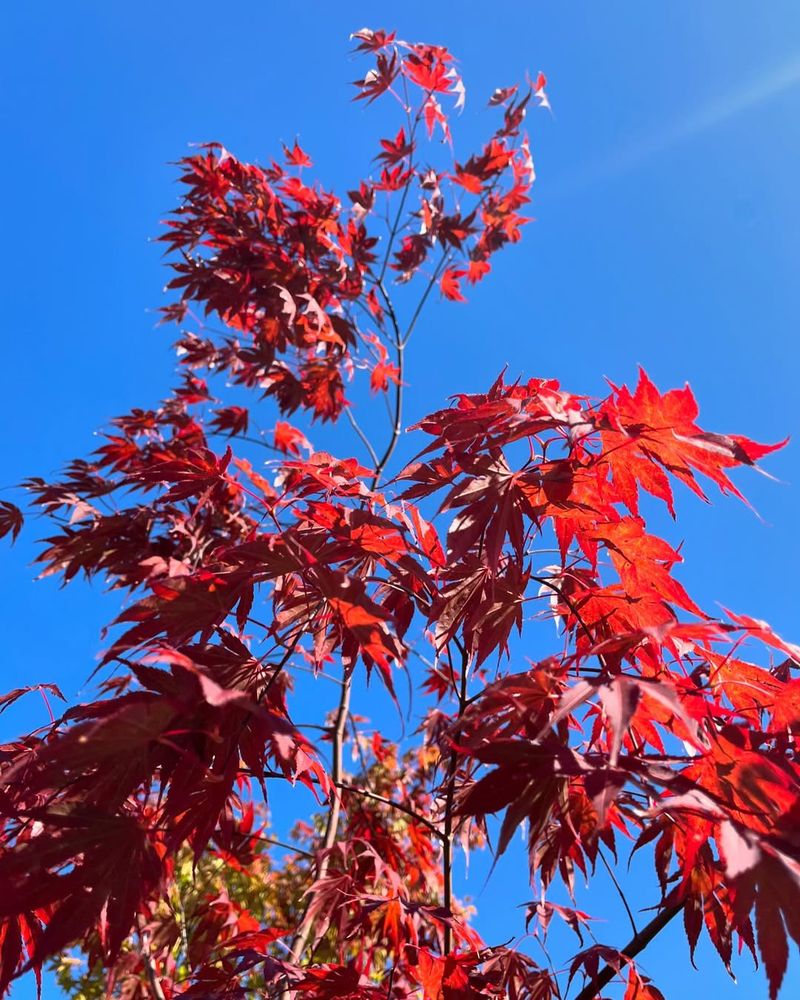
x: 667, y: 234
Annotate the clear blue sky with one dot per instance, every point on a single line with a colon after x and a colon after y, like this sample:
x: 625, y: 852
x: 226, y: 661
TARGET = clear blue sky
x: 667, y: 234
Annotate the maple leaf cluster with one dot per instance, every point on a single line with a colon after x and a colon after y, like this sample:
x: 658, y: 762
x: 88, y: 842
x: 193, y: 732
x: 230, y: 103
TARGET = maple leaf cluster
x: 135, y: 827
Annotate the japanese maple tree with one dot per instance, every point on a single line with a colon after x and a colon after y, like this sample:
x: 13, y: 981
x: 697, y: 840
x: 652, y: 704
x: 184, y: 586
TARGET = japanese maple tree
x: 138, y: 827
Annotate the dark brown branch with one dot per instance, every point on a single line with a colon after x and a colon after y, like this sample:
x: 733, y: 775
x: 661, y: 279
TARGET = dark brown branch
x: 636, y: 945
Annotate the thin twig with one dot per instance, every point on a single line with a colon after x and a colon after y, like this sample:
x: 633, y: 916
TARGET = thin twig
x: 364, y: 439
x: 434, y: 829
x: 545, y: 582
x: 618, y: 887
x: 249, y: 439
x: 282, y: 843
x: 424, y: 298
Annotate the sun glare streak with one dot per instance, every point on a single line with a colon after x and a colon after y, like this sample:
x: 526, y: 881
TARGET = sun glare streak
x: 707, y: 116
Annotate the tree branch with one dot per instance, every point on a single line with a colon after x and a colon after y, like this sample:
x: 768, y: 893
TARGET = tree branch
x: 364, y: 439
x: 434, y: 829
x: 397, y: 426
x: 300, y: 939
x: 424, y: 298
x: 412, y: 131
x: 636, y: 944
x: 546, y: 582
x: 303, y: 933
x: 150, y: 969
x: 282, y: 843
x: 447, y: 836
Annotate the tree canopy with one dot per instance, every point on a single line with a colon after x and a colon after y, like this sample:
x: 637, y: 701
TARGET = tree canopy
x: 136, y: 826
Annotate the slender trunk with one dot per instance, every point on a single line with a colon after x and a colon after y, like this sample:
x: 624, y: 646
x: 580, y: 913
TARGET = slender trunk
x: 150, y: 968
x: 447, y: 836
x: 303, y: 932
